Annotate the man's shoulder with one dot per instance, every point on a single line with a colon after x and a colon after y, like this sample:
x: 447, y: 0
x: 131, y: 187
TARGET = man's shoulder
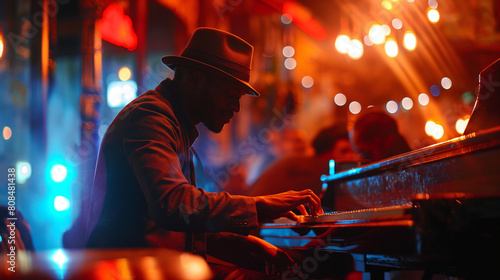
x: 150, y: 102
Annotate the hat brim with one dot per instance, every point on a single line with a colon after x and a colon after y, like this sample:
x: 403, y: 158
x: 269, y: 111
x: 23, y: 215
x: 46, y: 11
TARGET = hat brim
x: 171, y: 61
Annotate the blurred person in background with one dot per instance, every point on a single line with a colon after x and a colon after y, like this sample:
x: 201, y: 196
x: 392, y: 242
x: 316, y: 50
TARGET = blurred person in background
x: 375, y: 136
x: 303, y: 171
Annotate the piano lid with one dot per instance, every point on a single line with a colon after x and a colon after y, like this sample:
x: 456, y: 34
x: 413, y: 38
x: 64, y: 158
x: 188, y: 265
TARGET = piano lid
x: 466, y: 164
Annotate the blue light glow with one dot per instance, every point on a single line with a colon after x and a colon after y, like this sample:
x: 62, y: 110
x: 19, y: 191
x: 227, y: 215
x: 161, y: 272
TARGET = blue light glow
x: 61, y: 203
x: 23, y: 170
x: 120, y: 93
x: 59, y: 258
x: 58, y: 173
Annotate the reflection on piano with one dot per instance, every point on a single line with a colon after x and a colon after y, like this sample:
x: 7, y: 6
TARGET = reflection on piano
x: 435, y: 209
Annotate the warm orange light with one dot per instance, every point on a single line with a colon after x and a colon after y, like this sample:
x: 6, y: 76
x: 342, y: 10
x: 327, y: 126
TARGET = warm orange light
x: 435, y: 130
x: 342, y: 43
x: 124, y: 73
x: 117, y: 27
x: 391, y: 48
x: 461, y: 124
x: 303, y: 18
x: 433, y: 15
x: 7, y: 133
x: 376, y: 34
x: 356, y: 49
x: 1, y: 46
x: 410, y: 41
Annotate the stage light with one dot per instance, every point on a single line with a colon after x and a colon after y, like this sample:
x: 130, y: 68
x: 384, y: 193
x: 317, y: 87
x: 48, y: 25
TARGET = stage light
x: 23, y: 170
x: 397, y: 23
x: 433, y: 15
x: 461, y: 124
x: 59, y: 258
x: 376, y: 34
x: 340, y: 99
x: 356, y: 49
x: 446, y: 83
x: 435, y: 90
x: 1, y: 46
x: 7, y: 133
x: 61, y: 203
x: 120, y: 93
x: 410, y: 41
x: 343, y: 43
x: 423, y: 99
x: 355, y: 107
x: 286, y: 18
x: 407, y: 103
x: 124, y: 73
x: 58, y: 173
x: 288, y: 51
x: 392, y: 107
x: 290, y: 63
x: 307, y: 81
x: 391, y: 48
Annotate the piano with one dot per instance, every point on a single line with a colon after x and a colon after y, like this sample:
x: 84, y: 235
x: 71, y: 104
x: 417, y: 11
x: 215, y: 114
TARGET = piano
x: 435, y: 209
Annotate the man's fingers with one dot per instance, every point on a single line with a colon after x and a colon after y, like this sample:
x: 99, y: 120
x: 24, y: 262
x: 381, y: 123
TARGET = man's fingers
x: 302, y: 209
x: 314, y: 202
x: 292, y: 216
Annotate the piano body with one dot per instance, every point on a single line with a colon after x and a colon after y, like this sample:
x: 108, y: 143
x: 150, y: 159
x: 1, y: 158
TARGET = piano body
x: 435, y: 209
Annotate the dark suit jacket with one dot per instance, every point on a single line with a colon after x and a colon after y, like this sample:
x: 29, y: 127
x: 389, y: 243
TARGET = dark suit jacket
x: 144, y: 191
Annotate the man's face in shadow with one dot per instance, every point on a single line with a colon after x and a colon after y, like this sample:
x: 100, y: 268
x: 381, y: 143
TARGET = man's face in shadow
x: 220, y: 100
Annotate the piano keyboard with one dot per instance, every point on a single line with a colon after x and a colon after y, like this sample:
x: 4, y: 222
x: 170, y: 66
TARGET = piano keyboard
x: 351, y: 216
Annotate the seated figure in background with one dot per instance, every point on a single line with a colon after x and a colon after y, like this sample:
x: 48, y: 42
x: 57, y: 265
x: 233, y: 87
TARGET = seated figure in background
x: 376, y: 136
x: 299, y: 172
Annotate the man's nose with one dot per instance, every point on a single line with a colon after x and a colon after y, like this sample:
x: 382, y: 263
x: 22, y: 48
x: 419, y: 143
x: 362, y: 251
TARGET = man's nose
x: 236, y: 105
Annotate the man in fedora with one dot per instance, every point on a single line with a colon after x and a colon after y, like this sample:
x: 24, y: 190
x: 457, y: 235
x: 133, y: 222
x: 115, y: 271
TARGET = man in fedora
x: 144, y: 192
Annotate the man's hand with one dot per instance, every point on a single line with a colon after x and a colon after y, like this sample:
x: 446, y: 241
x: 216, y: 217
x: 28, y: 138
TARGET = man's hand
x: 249, y: 252
x: 270, y: 207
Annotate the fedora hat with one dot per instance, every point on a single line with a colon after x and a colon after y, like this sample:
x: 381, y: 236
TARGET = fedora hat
x: 217, y: 50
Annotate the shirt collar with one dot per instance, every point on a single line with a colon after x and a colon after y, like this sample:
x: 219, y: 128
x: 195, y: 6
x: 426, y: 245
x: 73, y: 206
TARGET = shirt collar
x: 169, y: 90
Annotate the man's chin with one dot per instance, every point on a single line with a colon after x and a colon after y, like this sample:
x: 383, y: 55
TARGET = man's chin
x: 214, y: 128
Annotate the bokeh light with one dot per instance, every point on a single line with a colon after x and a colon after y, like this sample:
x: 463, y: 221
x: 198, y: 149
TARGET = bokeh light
x: 307, y: 81
x: 407, y: 103
x: 61, y: 203
x: 376, y: 34
x: 23, y: 170
x: 423, y: 99
x: 397, y: 23
x: 7, y: 133
x: 355, y: 107
x: 386, y: 4
x: 1, y: 47
x: 433, y: 4
x: 446, y: 83
x: 343, y: 43
x: 387, y: 29
x: 434, y: 130
x: 124, y: 74
x: 290, y: 63
x: 461, y: 124
x: 356, y: 49
x: 433, y: 15
x: 58, y: 173
x: 392, y: 107
x: 288, y: 51
x: 410, y: 41
x: 467, y: 97
x: 286, y: 18
x: 367, y: 41
x: 435, y: 90
x: 391, y: 48
x: 340, y: 99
